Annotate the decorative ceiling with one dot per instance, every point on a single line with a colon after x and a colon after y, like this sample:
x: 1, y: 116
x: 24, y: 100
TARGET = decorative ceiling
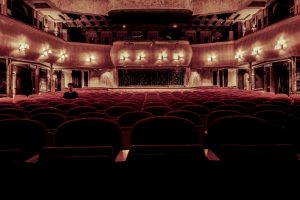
x: 102, y: 7
x: 102, y: 13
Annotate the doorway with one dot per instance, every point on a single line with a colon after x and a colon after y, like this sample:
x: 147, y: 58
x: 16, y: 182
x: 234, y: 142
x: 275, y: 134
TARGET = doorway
x: 241, y: 78
x: 3, y: 84
x: 223, y: 77
x: 259, y: 78
x: 281, y: 74
x: 57, y: 80
x: 215, y: 77
x: 24, y: 81
x: 77, y: 78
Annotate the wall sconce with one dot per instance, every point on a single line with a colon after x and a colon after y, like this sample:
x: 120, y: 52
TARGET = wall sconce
x: 281, y: 44
x: 256, y: 51
x: 23, y: 47
x: 124, y: 56
x: 63, y: 55
x: 162, y: 56
x: 46, y: 52
x: 178, y: 56
x: 141, y: 56
x: 239, y: 55
x: 211, y: 58
x: 91, y: 59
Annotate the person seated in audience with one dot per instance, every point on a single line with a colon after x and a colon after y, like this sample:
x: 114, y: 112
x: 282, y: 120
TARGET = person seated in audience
x: 70, y: 94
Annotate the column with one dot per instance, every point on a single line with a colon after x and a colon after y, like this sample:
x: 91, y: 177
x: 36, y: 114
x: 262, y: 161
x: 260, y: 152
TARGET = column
x: 9, y: 79
x: 82, y: 78
x: 293, y: 75
x: 13, y: 81
x: 251, y: 77
x: 218, y: 78
x: 272, y: 79
x: 52, y: 84
x: 265, y: 79
x: 115, y: 76
x: 296, y: 7
x: 37, y: 80
x: 187, y: 76
x: 3, y: 7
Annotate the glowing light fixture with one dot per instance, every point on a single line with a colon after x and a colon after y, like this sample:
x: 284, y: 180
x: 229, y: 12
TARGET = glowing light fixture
x: 162, y: 56
x: 178, y: 56
x: 90, y: 59
x: 211, y: 58
x: 63, y: 55
x: 46, y: 52
x: 281, y: 44
x: 141, y: 56
x: 239, y: 55
x: 124, y: 56
x: 256, y: 51
x: 23, y: 47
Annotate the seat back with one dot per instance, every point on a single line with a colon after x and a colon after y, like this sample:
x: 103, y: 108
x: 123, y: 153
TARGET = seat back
x: 22, y: 137
x: 89, y: 132
x: 128, y: 119
x: 164, y: 130
x: 77, y: 161
x: 240, y: 130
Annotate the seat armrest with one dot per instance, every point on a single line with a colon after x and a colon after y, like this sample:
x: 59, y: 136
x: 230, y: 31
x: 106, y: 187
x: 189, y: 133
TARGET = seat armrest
x: 122, y: 156
x: 211, y: 155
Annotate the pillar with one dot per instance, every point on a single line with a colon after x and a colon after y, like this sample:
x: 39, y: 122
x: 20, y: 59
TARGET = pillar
x: 265, y: 79
x: 116, y: 77
x: 187, y: 76
x: 37, y: 80
x: 9, y: 79
x: 251, y: 77
x: 218, y: 78
x: 52, y: 83
x: 293, y: 75
x: 272, y: 79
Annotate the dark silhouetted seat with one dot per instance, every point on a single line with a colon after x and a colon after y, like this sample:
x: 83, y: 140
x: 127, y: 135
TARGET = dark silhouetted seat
x: 89, y: 132
x: 49, y: 120
x: 219, y: 114
x: 20, y: 139
x: 128, y: 119
x: 81, y: 109
x: 157, y: 110
x: 116, y: 111
x: 7, y: 116
x: 99, y: 105
x: 45, y: 110
x: 13, y: 111
x: 92, y: 115
x: 189, y: 115
x: 165, y: 146
x: 240, y: 130
x: 200, y: 110
x: 164, y: 130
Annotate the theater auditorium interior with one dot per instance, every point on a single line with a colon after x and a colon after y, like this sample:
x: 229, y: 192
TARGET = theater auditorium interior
x: 176, y: 97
